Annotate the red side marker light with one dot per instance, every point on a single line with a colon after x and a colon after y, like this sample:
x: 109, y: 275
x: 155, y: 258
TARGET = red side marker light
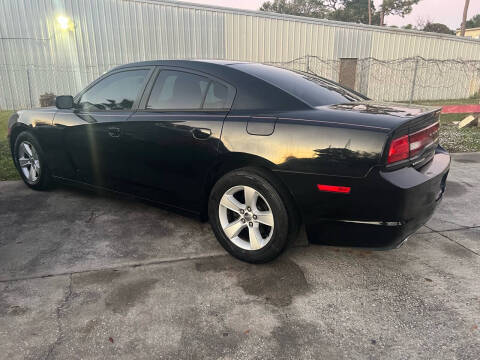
x: 335, y: 189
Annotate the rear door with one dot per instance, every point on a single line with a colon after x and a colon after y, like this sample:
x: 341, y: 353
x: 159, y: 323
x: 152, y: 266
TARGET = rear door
x: 173, y: 138
x: 92, y: 131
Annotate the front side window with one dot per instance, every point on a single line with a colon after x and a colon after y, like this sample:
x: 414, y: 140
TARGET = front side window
x: 115, y: 92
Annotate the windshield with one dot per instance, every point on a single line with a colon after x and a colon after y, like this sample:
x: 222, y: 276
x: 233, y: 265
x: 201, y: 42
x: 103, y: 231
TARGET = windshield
x: 311, y: 89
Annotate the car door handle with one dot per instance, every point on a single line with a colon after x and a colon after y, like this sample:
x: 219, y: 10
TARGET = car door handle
x: 201, y: 133
x: 114, y: 131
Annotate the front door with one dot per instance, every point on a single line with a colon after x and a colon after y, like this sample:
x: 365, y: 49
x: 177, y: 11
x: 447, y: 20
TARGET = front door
x: 92, y: 131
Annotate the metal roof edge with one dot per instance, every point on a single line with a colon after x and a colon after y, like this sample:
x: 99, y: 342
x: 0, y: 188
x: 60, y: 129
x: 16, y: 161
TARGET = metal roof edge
x: 310, y: 20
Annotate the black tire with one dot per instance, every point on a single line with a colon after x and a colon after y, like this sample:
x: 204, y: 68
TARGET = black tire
x: 283, y: 223
x: 44, y: 180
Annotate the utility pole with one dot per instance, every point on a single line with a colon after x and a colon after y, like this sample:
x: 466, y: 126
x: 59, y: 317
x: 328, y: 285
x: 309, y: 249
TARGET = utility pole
x: 464, y: 19
x: 382, y: 13
x: 369, y: 12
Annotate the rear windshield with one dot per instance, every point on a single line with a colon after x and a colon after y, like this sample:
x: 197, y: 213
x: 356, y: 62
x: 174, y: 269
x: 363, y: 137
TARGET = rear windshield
x: 311, y: 89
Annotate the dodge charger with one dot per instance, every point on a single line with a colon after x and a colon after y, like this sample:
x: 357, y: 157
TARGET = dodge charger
x: 259, y: 151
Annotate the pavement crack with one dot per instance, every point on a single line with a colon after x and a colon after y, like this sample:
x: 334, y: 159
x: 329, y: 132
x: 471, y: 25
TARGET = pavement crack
x: 458, y: 226
x: 454, y: 241
x: 59, y: 313
x: 460, y: 229
x: 124, y: 266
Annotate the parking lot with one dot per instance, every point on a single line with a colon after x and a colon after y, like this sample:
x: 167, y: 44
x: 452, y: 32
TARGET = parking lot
x: 88, y: 276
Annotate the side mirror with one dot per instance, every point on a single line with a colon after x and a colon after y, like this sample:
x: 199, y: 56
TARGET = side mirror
x: 64, y: 102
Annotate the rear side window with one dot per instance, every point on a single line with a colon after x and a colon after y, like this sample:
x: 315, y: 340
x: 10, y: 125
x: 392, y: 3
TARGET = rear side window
x: 115, y: 92
x: 178, y: 90
x: 313, y: 90
x: 217, y: 96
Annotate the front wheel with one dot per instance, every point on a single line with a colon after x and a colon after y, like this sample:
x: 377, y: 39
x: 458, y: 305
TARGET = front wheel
x: 30, y: 162
x: 248, y: 216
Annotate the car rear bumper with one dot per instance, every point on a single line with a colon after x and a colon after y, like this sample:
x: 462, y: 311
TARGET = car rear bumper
x: 382, y: 209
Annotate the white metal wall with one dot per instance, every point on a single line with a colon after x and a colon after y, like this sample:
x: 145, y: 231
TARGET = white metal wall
x: 37, y: 57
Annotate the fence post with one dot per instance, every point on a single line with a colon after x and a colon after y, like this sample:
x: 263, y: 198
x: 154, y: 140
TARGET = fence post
x: 308, y: 63
x: 414, y: 80
x: 29, y: 87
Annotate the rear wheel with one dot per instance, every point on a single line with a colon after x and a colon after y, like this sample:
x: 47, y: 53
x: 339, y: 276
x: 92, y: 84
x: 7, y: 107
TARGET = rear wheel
x: 30, y: 162
x: 248, y: 216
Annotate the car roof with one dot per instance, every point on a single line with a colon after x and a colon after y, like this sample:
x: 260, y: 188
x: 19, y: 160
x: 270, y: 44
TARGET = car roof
x: 274, y: 85
x: 193, y: 63
x: 251, y: 91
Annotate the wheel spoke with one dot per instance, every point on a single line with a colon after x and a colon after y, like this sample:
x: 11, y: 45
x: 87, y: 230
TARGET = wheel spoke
x: 233, y: 229
x: 26, y: 172
x: 265, y: 217
x: 255, y: 238
x: 251, y: 197
x: 28, y: 149
x: 231, y: 203
x: 23, y: 162
x: 32, y: 174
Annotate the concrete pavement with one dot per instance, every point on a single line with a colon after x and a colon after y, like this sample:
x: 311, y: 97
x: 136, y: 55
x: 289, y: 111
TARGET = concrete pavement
x: 83, y: 276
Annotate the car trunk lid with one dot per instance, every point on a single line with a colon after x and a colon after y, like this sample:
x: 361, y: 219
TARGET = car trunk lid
x: 413, y: 128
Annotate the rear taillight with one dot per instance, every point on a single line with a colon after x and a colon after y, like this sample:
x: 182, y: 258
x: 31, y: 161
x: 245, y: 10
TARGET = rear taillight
x: 408, y: 146
x: 399, y: 149
x: 423, y: 138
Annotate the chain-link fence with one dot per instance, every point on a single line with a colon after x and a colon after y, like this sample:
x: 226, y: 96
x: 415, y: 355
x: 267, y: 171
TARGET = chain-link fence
x: 407, y: 80
x: 22, y: 85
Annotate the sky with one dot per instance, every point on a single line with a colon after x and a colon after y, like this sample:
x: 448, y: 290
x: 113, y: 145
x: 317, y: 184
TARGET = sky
x: 448, y: 12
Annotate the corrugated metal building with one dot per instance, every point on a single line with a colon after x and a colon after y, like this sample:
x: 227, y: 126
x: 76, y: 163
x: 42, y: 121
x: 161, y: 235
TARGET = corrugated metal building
x: 37, y: 55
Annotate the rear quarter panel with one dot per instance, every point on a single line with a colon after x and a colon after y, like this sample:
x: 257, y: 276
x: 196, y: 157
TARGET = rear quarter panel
x: 303, y: 153
x: 308, y: 146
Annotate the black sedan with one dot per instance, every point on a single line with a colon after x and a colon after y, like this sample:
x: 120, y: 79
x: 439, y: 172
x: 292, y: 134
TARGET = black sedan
x: 257, y: 150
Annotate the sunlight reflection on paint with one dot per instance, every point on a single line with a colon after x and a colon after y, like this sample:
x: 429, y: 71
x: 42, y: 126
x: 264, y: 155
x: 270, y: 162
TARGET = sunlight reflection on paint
x: 311, y: 148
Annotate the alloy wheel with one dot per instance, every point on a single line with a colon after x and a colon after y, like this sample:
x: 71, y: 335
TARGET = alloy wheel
x: 246, y: 217
x: 29, y: 162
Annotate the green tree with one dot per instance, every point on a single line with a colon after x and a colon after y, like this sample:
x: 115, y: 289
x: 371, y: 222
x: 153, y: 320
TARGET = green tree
x: 474, y: 22
x: 355, y: 11
x: 333, y: 4
x: 396, y: 7
x: 438, y: 28
x: 310, y: 8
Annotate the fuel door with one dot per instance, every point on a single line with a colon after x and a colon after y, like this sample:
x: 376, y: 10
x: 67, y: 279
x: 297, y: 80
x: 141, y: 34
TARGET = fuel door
x: 261, y: 125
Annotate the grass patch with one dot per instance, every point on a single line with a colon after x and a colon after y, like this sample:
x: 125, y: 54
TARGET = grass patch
x: 451, y: 137
x: 458, y: 140
x: 7, y: 169
x: 468, y: 101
